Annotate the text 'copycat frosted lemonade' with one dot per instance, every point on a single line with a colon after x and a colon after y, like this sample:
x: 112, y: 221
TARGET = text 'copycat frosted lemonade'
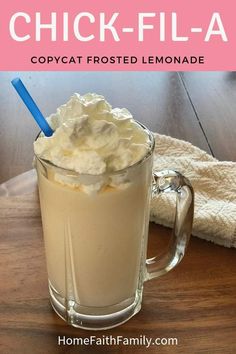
x: 94, y: 204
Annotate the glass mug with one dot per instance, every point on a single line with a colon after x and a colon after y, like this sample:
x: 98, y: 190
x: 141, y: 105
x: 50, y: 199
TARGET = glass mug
x: 96, y: 243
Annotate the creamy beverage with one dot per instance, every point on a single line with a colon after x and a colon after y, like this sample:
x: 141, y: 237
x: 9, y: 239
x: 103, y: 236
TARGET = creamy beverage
x: 94, y: 177
x: 95, y: 182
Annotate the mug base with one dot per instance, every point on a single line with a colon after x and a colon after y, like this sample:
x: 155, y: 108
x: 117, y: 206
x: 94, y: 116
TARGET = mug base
x: 101, y: 318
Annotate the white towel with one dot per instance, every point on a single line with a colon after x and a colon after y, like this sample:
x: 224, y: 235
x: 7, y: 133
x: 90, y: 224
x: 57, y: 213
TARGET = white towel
x: 214, y: 183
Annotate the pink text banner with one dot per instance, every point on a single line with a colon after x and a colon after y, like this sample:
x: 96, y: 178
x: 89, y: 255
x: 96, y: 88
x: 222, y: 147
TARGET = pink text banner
x: 138, y: 35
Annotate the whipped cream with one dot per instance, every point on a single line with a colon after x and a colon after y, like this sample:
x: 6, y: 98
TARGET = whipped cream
x: 91, y: 137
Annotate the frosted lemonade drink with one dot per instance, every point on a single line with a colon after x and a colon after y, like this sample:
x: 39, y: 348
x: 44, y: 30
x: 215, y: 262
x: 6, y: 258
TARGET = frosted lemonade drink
x: 94, y: 176
x: 95, y: 182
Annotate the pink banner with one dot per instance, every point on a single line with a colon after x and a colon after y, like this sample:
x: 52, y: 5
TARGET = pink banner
x: 118, y: 35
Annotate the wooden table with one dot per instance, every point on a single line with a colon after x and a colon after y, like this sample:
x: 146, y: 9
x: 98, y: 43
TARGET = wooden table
x: 196, y: 302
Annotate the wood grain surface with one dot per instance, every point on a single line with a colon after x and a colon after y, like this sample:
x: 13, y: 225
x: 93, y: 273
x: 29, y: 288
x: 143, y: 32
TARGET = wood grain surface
x: 196, y: 302
x: 213, y: 96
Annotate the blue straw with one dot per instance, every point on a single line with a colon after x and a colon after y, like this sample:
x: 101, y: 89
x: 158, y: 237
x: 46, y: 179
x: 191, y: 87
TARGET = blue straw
x: 32, y: 107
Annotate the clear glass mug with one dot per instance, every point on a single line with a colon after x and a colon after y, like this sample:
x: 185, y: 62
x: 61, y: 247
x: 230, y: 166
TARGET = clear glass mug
x: 96, y: 243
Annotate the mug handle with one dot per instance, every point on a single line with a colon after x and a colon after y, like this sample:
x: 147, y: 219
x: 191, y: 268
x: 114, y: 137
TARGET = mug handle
x: 163, y: 182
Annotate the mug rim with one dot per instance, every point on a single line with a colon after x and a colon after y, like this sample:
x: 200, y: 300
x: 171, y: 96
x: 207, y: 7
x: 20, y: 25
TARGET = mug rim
x: 106, y: 173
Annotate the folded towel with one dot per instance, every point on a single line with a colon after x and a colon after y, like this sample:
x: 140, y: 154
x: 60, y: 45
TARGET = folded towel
x: 214, y: 183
